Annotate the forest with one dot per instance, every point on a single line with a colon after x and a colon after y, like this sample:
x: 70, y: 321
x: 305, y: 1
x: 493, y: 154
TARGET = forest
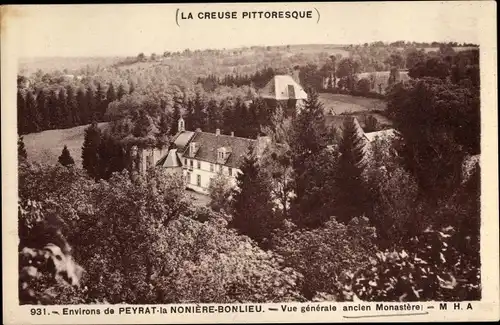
x: 331, y: 219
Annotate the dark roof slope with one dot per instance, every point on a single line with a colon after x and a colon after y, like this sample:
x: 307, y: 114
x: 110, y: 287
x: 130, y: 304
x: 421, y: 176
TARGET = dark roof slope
x: 208, y: 143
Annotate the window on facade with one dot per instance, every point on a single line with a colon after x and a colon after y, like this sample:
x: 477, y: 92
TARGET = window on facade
x: 198, y: 180
x: 191, y: 163
x: 185, y: 161
x: 230, y: 171
x: 212, y: 168
x: 188, y: 178
x: 199, y: 165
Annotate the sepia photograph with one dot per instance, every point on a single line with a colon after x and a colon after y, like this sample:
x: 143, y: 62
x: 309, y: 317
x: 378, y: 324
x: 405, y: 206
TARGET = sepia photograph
x: 235, y: 154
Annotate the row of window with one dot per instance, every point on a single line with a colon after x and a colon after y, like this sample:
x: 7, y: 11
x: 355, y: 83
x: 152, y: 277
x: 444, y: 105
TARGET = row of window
x: 198, y: 179
x: 212, y: 168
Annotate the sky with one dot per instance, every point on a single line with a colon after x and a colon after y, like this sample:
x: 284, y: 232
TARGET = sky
x: 109, y: 30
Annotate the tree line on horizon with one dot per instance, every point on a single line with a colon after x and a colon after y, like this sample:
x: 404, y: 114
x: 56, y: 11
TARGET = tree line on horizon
x: 65, y: 107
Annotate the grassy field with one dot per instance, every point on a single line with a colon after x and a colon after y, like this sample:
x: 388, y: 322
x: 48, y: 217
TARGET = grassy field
x: 46, y: 146
x: 338, y: 103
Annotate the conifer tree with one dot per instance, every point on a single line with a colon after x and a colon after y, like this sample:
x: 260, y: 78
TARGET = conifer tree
x: 90, y: 150
x: 111, y: 95
x: 101, y: 103
x: 81, y: 99
x: 228, y: 117
x: 164, y: 125
x: 53, y: 121
x: 21, y: 113
x: 33, y: 117
x: 189, y: 116
x: 111, y: 157
x: 214, y: 116
x: 44, y: 112
x: 253, y: 206
x: 309, y: 137
x: 176, y: 115
x: 121, y: 92
x: 352, y: 162
x: 72, y: 107
x: 22, y: 155
x: 65, y: 158
x: 64, y: 115
x: 199, y: 113
x: 91, y: 104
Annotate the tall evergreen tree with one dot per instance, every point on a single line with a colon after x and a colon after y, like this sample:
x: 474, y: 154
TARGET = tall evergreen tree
x: 83, y: 109
x: 65, y: 158
x: 101, y: 102
x: 72, y: 107
x: 214, y: 116
x: 176, y: 115
x: 44, y: 111
x: 189, y: 115
x: 309, y: 137
x: 33, y: 116
x: 164, y: 125
x: 121, y: 92
x: 112, y: 157
x: 22, y: 155
x: 228, y: 117
x: 65, y: 117
x: 199, y: 113
x: 111, y: 95
x: 21, y: 113
x: 90, y: 150
x: 54, y: 107
x: 91, y: 104
x: 352, y: 162
x: 253, y: 206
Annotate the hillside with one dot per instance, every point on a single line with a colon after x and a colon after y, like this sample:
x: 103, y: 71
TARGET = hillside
x: 27, y: 66
x: 46, y: 146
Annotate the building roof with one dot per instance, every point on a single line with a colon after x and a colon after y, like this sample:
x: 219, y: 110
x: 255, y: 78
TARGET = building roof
x: 207, y: 145
x: 384, y: 134
x: 170, y: 160
x: 280, y: 88
x: 182, y: 139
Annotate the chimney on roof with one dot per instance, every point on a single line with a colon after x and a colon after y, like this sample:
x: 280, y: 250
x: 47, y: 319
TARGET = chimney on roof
x: 232, y: 133
x: 217, y: 131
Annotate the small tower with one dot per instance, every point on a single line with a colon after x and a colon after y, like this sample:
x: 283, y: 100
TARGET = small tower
x: 181, y: 125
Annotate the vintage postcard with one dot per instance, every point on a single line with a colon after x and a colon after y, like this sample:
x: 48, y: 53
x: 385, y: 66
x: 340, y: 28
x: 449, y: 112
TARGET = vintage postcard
x: 265, y: 162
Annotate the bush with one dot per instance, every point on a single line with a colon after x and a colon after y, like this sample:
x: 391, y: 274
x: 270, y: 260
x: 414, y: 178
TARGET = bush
x: 325, y: 255
x: 429, y: 269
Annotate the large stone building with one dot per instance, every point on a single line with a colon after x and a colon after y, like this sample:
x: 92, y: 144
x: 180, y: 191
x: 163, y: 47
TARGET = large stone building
x: 200, y: 156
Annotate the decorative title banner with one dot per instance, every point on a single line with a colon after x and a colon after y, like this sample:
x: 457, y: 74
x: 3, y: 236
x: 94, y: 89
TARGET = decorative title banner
x: 232, y: 15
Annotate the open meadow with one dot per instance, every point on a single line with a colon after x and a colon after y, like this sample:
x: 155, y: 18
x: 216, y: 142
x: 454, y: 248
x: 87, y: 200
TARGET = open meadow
x: 46, y: 147
x: 343, y: 104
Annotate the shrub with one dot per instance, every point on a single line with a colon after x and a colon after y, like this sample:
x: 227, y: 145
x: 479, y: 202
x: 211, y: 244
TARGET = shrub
x: 428, y: 269
x: 324, y: 255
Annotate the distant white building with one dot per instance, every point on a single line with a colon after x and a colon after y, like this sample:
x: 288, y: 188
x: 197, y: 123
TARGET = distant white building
x: 200, y: 156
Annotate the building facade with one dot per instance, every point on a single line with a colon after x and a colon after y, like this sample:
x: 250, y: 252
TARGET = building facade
x: 200, y: 156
